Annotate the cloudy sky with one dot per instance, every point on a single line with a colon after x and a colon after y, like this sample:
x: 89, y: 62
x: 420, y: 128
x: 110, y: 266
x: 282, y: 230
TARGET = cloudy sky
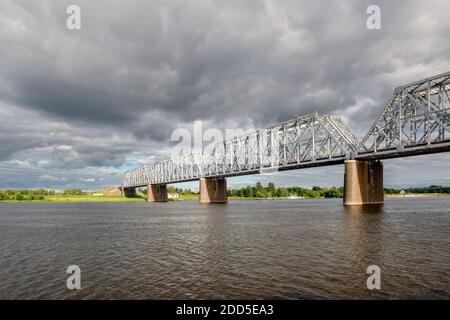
x: 79, y: 107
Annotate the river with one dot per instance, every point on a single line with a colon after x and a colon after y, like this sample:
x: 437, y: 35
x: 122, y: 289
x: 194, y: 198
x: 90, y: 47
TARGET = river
x: 286, y: 249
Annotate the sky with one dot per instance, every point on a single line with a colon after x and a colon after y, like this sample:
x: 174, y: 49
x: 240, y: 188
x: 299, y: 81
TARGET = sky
x: 79, y: 107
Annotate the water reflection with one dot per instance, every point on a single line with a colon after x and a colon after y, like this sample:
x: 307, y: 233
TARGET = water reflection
x: 364, y: 234
x: 212, y: 245
x: 364, y: 209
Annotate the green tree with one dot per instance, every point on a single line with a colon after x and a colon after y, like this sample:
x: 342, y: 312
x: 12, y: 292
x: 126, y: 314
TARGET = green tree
x: 73, y: 192
x: 283, y: 192
x: 271, y: 190
x: 260, y: 194
x: 332, y: 193
x: 19, y: 197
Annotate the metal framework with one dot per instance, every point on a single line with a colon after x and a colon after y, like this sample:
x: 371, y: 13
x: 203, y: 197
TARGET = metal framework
x: 312, y: 140
x: 416, y: 121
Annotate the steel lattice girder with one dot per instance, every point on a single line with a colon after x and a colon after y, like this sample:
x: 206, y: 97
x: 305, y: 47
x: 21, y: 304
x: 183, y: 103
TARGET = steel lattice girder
x: 304, y: 141
x: 416, y: 120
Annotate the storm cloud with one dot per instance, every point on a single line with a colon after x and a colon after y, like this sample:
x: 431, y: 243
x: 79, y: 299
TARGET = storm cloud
x: 78, y: 107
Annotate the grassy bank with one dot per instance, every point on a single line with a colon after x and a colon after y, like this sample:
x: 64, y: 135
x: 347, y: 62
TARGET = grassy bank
x: 82, y: 198
x: 182, y: 197
x: 91, y: 198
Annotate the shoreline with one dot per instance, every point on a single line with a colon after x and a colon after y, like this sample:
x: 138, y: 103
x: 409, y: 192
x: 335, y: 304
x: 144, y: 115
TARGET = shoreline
x: 88, y: 198
x: 417, y: 195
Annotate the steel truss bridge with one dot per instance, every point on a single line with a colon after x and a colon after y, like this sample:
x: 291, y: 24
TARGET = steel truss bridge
x: 415, y: 121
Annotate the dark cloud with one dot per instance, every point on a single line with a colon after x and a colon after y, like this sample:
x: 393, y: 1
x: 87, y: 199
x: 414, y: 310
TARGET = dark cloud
x: 110, y: 94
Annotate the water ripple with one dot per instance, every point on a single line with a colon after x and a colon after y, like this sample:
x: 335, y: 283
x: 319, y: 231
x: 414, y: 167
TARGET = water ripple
x: 246, y: 249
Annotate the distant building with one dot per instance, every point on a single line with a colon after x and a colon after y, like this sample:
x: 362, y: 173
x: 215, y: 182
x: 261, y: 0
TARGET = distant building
x: 173, y: 196
x: 404, y: 192
x: 292, y: 197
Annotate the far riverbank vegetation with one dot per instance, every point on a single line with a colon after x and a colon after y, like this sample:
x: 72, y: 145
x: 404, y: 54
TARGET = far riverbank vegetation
x: 256, y: 192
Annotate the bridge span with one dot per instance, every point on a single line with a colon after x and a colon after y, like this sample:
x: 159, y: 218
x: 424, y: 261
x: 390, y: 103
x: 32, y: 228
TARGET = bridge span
x: 414, y: 122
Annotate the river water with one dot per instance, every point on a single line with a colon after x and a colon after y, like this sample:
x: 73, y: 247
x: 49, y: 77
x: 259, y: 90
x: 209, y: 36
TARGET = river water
x: 299, y: 249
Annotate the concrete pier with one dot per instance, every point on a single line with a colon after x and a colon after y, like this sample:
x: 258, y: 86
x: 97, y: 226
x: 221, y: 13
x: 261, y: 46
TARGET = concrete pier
x: 157, y: 193
x: 129, y: 192
x: 213, y: 190
x: 363, y: 182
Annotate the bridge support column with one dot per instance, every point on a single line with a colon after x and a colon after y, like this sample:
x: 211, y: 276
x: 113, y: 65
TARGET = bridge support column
x: 129, y: 192
x: 213, y: 190
x: 363, y: 182
x: 157, y: 193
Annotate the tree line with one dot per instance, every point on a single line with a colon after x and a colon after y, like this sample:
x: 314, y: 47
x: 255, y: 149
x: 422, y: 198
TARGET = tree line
x: 430, y: 189
x: 256, y: 191
x: 259, y: 191
x: 172, y: 189
x: 35, y: 194
x: 271, y: 191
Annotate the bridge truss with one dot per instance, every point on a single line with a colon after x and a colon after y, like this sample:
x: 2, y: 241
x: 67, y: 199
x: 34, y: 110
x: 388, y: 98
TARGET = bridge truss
x: 311, y: 140
x: 415, y: 121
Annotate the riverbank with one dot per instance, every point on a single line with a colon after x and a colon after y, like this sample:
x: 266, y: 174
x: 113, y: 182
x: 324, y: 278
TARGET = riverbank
x: 83, y: 198
x: 417, y: 195
x: 103, y: 198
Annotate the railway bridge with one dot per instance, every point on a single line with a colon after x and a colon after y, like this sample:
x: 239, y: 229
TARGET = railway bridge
x: 414, y: 122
